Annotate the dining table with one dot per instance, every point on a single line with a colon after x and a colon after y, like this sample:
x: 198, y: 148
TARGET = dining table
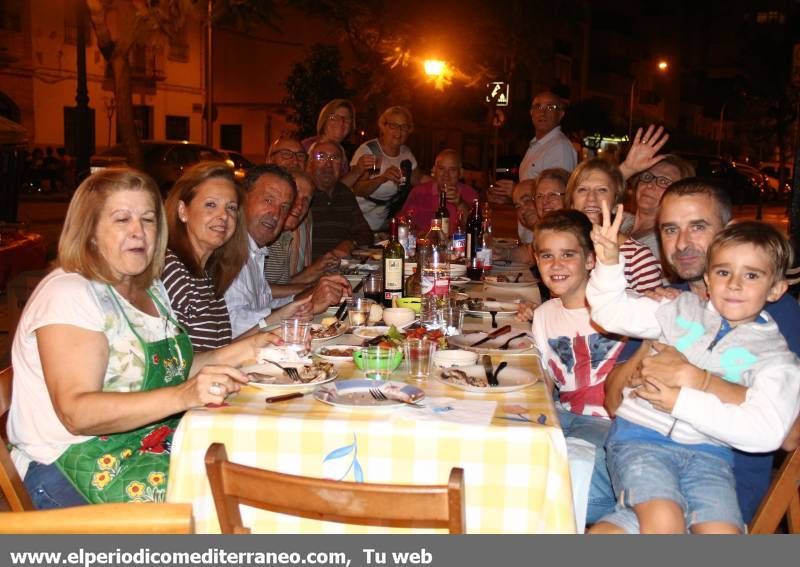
x: 509, y: 444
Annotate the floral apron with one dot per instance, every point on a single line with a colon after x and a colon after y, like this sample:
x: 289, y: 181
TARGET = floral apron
x: 132, y: 466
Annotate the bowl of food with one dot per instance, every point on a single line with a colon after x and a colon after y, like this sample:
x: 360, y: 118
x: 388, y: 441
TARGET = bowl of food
x: 452, y: 357
x: 399, y: 316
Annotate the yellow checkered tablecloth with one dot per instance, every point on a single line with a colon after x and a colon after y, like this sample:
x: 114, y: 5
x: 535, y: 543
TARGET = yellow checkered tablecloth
x: 515, y: 468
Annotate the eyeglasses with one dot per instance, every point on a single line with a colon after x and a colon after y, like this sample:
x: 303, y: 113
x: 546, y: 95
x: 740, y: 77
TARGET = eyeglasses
x: 545, y: 107
x: 659, y: 180
x: 289, y: 154
x: 322, y: 156
x: 397, y: 126
x: 340, y: 118
x: 548, y: 196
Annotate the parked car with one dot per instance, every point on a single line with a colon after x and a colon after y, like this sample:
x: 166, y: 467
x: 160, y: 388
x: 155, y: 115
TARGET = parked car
x: 165, y: 161
x: 238, y: 162
x: 743, y: 187
x: 770, y: 171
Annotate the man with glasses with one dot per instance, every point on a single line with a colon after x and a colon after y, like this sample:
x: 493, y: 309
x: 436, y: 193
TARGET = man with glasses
x: 548, y: 149
x: 288, y: 153
x: 338, y: 222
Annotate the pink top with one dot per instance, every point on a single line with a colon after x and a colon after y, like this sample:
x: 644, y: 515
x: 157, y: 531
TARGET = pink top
x: 424, y: 200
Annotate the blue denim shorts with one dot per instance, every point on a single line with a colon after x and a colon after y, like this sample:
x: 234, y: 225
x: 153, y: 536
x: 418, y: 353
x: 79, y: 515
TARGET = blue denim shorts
x: 49, y: 488
x: 702, y: 484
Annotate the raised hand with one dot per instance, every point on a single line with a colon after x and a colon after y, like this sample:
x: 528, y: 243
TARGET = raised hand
x: 605, y: 236
x: 644, y: 148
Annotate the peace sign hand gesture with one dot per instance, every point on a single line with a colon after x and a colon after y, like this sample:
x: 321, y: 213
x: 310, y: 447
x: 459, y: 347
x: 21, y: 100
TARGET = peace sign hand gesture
x: 606, y: 243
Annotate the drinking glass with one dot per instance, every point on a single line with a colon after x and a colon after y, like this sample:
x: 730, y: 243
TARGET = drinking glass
x: 376, y: 166
x: 452, y: 319
x: 296, y: 335
x: 378, y: 362
x: 419, y: 357
x: 358, y: 310
x: 373, y: 287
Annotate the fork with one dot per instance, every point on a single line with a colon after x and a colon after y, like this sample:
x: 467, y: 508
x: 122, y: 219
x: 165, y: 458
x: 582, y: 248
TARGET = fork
x: 508, y: 342
x: 293, y: 374
x: 378, y: 395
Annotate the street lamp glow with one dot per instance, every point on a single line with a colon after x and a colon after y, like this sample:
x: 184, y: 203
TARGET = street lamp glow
x: 434, y: 67
x: 663, y: 65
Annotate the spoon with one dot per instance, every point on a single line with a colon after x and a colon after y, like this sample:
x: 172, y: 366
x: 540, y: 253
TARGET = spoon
x: 499, y: 368
x: 519, y: 275
x: 494, y: 319
x: 508, y: 342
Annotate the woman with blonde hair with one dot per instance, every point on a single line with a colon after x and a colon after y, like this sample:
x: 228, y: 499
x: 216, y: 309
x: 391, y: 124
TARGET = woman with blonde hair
x: 378, y: 193
x: 595, y: 181
x: 102, y: 369
x: 207, y: 248
x: 335, y: 123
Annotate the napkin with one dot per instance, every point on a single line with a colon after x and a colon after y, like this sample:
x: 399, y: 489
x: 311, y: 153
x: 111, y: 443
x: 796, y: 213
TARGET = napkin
x: 465, y: 412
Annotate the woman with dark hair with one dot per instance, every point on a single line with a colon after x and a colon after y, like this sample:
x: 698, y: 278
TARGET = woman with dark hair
x: 207, y: 247
x: 102, y: 369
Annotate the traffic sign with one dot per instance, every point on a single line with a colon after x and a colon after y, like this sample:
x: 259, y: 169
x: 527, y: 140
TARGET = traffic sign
x: 498, y: 93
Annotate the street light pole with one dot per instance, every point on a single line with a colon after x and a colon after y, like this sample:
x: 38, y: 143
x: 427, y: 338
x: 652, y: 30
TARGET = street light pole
x: 209, y: 79
x: 630, y: 110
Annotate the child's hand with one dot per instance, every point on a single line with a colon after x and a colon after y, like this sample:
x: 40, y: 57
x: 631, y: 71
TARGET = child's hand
x: 662, y: 397
x: 606, y: 245
x: 525, y: 311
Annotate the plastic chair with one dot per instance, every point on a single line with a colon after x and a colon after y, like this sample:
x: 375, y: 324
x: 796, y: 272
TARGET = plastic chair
x: 782, y: 499
x: 439, y: 506
x: 149, y: 518
x: 10, y: 483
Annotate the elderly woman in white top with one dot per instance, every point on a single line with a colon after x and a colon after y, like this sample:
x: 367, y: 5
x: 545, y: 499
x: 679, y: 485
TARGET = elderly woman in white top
x: 378, y: 193
x: 102, y: 369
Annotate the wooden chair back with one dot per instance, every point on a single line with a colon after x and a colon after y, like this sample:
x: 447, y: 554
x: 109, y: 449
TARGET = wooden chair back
x: 11, y: 485
x: 149, y: 518
x: 439, y: 506
x: 782, y: 499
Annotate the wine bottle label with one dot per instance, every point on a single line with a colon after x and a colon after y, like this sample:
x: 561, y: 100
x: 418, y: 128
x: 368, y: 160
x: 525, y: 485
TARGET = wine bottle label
x: 469, y: 246
x: 389, y: 295
x: 445, y: 225
x: 441, y: 287
x: 485, y: 256
x: 393, y: 274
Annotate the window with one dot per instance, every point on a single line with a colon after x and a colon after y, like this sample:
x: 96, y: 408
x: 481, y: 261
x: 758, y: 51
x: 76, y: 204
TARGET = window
x: 231, y: 137
x: 177, y: 128
x: 143, y: 120
x: 179, y: 46
x: 772, y: 17
x: 69, y: 130
x: 71, y: 29
x: 11, y: 15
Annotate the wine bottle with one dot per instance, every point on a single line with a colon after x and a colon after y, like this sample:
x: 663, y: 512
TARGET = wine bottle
x: 459, y: 240
x: 442, y: 213
x: 393, y: 265
x: 484, y: 249
x: 473, y: 229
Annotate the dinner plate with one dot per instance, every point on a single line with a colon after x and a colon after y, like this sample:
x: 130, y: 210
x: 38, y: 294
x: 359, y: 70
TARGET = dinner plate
x: 354, y: 394
x: 272, y: 370
x: 517, y: 346
x: 509, y: 379
x: 504, y: 308
x: 509, y: 285
x: 461, y: 280
x: 331, y: 358
x: 370, y: 332
x: 342, y: 330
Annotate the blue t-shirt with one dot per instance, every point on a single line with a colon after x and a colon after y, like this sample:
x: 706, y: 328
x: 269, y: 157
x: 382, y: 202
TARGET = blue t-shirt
x: 751, y: 470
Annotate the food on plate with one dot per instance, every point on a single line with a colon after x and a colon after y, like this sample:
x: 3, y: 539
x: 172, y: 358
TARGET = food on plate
x: 499, y: 278
x: 323, y: 332
x: 315, y: 372
x: 461, y: 377
x: 338, y: 351
x: 328, y: 321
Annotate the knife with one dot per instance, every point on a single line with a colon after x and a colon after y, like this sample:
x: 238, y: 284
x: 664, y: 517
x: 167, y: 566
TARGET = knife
x: 284, y: 397
x: 493, y: 335
x: 487, y: 367
x: 341, y: 313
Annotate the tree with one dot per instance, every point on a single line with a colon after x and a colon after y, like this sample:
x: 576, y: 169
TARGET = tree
x: 313, y: 83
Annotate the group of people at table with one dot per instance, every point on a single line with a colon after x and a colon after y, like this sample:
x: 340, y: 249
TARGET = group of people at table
x: 154, y: 305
